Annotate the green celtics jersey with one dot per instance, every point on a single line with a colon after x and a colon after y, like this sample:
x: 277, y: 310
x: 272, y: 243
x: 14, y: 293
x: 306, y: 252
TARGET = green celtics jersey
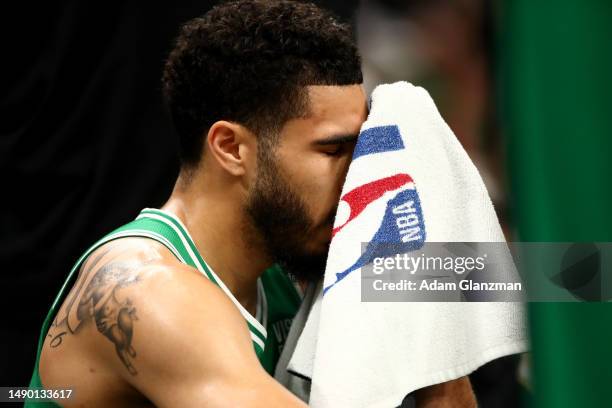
x: 278, y: 299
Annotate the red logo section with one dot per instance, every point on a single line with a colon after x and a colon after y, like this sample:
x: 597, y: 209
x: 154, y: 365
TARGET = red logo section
x: 359, y: 198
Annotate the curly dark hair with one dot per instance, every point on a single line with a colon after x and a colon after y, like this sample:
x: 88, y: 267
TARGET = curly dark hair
x: 249, y: 62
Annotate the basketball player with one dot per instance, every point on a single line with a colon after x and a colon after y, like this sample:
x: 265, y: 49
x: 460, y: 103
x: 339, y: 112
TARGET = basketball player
x: 189, y: 305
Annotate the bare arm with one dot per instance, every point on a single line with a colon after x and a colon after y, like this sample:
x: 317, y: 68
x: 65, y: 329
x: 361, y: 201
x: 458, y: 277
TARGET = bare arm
x: 138, y: 325
x: 452, y: 394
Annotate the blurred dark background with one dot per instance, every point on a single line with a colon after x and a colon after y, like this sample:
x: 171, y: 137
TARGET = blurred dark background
x: 85, y: 142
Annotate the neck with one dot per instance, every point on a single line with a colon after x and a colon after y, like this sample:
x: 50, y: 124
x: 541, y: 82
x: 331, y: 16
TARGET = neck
x: 216, y: 222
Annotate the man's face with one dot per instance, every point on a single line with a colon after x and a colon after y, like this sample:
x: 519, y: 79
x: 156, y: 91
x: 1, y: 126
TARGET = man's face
x: 293, y: 201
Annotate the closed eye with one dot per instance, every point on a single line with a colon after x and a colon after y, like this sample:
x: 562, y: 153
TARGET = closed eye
x: 337, y: 151
x: 336, y: 146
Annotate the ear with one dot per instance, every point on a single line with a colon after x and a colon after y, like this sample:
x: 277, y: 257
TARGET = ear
x: 232, y: 146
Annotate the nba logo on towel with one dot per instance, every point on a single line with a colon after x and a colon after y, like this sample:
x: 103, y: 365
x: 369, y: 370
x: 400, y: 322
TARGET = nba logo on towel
x: 402, y: 227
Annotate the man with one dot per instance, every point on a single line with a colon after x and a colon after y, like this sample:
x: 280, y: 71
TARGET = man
x: 189, y: 305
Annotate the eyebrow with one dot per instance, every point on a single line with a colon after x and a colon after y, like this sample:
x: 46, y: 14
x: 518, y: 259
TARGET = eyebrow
x: 336, y: 140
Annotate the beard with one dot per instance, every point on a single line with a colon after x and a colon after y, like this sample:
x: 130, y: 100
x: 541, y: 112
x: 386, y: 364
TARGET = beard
x: 281, y: 223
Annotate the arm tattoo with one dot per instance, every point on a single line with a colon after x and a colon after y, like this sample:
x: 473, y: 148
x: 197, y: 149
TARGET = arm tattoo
x: 95, y: 298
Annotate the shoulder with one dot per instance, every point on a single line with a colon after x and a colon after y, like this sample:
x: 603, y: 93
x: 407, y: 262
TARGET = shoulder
x: 135, y: 313
x: 133, y: 276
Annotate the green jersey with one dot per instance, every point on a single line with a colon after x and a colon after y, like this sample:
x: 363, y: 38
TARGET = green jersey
x: 277, y: 304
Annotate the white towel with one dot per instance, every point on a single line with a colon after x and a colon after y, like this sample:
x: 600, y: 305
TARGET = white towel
x: 361, y: 354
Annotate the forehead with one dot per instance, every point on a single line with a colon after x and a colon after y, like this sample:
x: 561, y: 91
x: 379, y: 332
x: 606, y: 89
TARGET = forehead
x: 333, y: 110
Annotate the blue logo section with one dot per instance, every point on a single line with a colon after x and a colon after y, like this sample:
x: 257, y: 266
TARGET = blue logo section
x: 402, y: 230
x: 378, y: 140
